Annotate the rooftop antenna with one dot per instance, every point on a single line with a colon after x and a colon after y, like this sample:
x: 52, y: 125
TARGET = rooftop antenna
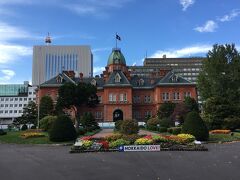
x: 146, y: 55
x: 48, y: 40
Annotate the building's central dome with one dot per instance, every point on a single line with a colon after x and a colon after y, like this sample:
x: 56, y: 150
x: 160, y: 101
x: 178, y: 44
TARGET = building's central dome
x: 116, y: 57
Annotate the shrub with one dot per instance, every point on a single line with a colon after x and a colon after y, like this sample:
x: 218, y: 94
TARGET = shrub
x: 231, y: 123
x: 195, y: 126
x: 162, y: 129
x: 88, y: 122
x: 62, y: 129
x: 118, y: 142
x: 158, y: 139
x: 152, y: 124
x: 2, y: 132
x: 129, y: 127
x: 220, y: 131
x: 24, y: 127
x: 113, y: 137
x: 187, y: 138
x: 131, y: 138
x: 165, y: 122
x: 47, y: 122
x: 32, y: 135
x: 87, y: 144
x: 174, y: 130
x: 105, y: 144
x: 143, y: 141
x: 118, y: 125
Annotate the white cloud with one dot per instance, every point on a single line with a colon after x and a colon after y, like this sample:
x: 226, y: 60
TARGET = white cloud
x: 184, y: 52
x: 11, y: 52
x: 7, y: 74
x: 186, y: 3
x: 209, y: 26
x: 229, y: 17
x: 98, y: 70
x: 95, y: 7
x: 9, y: 32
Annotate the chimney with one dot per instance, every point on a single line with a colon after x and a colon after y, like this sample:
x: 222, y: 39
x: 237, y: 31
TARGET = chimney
x: 70, y: 74
x: 164, y: 56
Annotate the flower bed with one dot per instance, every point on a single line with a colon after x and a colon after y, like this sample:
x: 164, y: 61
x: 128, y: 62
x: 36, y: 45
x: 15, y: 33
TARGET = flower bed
x: 112, y: 143
x: 220, y: 131
x: 27, y: 135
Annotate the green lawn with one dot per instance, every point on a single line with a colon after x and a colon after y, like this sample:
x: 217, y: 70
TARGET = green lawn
x: 15, y: 138
x: 224, y: 137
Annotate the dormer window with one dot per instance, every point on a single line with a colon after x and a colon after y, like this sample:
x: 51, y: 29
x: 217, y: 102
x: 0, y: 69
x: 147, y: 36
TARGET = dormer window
x: 94, y: 82
x: 59, y: 79
x: 117, y: 78
x: 141, y: 82
x: 174, y: 78
x: 116, y: 61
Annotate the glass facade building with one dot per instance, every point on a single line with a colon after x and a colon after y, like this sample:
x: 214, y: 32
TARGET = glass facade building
x: 49, y: 61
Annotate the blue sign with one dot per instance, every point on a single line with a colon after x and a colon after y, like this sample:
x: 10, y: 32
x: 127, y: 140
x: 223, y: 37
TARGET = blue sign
x: 139, y: 148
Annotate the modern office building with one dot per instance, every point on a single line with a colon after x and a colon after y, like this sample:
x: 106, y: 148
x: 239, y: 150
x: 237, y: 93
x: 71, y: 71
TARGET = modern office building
x: 13, y: 98
x: 187, y: 68
x: 50, y: 60
x: 123, y: 96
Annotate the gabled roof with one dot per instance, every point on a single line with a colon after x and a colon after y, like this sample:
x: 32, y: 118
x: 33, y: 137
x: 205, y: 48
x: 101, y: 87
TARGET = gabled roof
x: 112, y: 82
x: 54, y: 81
x: 139, y: 82
x: 173, y: 79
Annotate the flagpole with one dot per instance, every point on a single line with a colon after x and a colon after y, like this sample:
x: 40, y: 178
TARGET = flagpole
x: 116, y: 40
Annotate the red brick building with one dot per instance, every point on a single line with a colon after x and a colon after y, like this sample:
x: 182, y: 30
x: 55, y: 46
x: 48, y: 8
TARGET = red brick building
x: 123, y: 96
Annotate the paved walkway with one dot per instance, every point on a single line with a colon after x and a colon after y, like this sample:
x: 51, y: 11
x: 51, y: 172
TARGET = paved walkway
x: 107, y: 132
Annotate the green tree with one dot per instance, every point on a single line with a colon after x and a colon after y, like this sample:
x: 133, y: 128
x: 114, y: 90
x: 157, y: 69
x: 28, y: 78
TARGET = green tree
x: 88, y: 122
x: 72, y: 95
x: 216, y: 109
x: 165, y: 110
x: 219, y: 84
x: 62, y: 129
x: 191, y: 104
x: 46, y: 106
x: 195, y: 125
x: 47, y: 122
x: 29, y: 115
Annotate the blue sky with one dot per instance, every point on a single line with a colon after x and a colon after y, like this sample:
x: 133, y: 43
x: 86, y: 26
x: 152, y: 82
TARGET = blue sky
x: 177, y: 28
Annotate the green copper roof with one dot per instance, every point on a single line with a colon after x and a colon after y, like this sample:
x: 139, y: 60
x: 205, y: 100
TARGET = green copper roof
x: 116, y: 57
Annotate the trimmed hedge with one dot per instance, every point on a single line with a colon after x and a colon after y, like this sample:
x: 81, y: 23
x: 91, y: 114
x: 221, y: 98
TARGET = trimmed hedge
x: 165, y: 122
x: 129, y: 127
x: 174, y: 130
x: 62, y: 129
x: 47, y: 122
x: 195, y: 126
x: 152, y: 124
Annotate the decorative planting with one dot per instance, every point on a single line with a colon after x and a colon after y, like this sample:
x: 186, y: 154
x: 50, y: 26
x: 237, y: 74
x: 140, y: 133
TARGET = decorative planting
x: 117, y: 141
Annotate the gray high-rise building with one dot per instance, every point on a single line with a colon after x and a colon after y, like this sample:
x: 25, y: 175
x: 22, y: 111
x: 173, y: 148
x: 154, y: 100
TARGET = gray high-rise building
x: 49, y: 60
